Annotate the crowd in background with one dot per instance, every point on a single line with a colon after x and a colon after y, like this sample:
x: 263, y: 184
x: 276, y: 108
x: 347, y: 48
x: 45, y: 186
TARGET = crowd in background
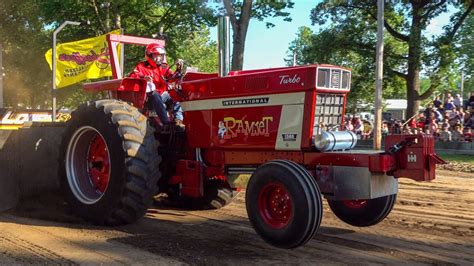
x: 448, y: 120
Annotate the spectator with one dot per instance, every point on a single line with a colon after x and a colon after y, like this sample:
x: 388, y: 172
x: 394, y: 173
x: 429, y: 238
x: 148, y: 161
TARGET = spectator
x: 445, y: 134
x: 454, y: 118
x: 461, y: 114
x: 436, y: 134
x: 470, y: 102
x: 432, y: 126
x: 427, y: 112
x: 449, y: 97
x: 407, y: 130
x: 384, y: 130
x: 445, y: 125
x: 358, y: 127
x: 457, y: 134
x: 457, y: 101
x: 421, y: 121
x: 348, y: 125
x: 412, y: 123
x: 470, y: 121
x: 437, y: 114
x: 397, y: 127
x: 468, y: 136
x: 437, y: 102
x: 449, y: 105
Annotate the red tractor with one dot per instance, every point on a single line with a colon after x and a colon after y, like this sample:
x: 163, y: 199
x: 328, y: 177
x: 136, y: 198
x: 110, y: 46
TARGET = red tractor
x: 272, y: 123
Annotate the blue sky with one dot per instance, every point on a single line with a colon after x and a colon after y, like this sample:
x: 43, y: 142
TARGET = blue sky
x: 266, y: 48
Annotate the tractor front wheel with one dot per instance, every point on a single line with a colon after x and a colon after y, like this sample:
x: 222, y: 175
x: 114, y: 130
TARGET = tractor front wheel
x: 363, y: 212
x: 109, y: 163
x: 284, y: 204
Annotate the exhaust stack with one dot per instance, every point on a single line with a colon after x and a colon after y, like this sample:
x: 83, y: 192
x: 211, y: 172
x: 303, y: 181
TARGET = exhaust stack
x: 223, y: 43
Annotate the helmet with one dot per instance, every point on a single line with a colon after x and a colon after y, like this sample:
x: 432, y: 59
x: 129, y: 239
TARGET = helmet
x: 155, y: 54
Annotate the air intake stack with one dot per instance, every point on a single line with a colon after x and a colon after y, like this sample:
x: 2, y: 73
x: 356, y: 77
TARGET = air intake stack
x: 223, y: 42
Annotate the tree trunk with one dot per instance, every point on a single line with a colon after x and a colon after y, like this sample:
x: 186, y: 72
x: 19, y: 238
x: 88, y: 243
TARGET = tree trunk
x: 414, y: 62
x: 413, y: 87
x: 239, y: 27
x: 238, y: 50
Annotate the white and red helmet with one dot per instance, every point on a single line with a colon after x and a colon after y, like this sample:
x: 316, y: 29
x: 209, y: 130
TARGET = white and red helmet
x: 155, y: 54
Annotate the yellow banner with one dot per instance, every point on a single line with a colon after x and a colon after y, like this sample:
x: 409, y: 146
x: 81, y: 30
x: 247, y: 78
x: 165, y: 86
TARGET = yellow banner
x: 81, y: 60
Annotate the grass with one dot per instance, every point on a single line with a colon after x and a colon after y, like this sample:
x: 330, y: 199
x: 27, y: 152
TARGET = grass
x: 457, y: 158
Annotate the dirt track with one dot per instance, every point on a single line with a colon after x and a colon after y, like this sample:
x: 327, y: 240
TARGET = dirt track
x: 432, y: 223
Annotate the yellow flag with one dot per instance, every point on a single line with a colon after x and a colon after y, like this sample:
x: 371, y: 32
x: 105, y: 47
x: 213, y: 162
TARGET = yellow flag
x: 81, y: 60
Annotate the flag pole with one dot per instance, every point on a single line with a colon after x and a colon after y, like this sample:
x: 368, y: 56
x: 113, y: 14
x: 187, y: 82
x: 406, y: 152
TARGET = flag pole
x: 53, y: 90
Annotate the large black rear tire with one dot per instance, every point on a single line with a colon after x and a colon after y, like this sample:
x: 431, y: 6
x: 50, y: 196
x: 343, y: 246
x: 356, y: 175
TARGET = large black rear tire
x: 284, y: 204
x: 363, y: 213
x: 109, y: 163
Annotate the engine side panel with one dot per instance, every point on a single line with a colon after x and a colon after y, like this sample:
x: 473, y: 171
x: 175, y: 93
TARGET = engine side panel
x: 263, y: 121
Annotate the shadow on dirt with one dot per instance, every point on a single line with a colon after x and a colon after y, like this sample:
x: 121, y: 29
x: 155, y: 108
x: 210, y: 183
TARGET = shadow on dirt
x: 193, y: 238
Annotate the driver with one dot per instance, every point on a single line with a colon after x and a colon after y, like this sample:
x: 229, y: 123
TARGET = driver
x: 158, y: 75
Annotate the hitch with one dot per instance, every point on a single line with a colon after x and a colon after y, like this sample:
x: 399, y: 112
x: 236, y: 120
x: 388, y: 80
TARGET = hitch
x: 414, y: 155
x: 400, y: 145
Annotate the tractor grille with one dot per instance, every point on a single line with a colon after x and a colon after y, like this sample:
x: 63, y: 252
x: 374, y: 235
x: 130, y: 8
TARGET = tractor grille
x: 328, y: 112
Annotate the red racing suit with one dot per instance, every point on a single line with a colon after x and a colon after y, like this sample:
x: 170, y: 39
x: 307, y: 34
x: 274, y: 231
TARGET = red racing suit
x: 160, y: 75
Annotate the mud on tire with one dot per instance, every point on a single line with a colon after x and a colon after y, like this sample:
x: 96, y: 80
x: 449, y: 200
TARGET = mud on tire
x: 109, y: 163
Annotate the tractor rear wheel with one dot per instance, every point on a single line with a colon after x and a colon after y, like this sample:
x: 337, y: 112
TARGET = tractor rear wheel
x: 109, y: 163
x: 284, y: 203
x: 363, y: 212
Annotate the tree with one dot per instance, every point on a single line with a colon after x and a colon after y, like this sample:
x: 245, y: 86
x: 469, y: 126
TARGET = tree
x: 24, y: 41
x: 240, y: 13
x: 173, y: 20
x: 465, y: 51
x: 332, y: 46
x: 198, y: 51
x: 26, y: 29
x: 353, y: 24
x: 299, y: 46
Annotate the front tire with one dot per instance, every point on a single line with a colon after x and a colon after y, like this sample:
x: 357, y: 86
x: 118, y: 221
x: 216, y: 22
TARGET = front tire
x: 363, y: 213
x: 109, y: 163
x: 284, y: 204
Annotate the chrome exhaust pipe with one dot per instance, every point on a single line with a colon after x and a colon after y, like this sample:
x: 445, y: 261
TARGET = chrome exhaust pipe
x: 223, y: 43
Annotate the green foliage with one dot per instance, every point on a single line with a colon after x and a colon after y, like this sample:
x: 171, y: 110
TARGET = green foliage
x: 465, y: 53
x: 24, y: 42
x: 26, y: 28
x: 241, y: 12
x: 348, y: 37
x: 300, y: 47
x: 198, y: 51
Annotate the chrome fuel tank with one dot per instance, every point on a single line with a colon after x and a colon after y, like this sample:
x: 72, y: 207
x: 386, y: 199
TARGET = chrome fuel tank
x: 335, y: 140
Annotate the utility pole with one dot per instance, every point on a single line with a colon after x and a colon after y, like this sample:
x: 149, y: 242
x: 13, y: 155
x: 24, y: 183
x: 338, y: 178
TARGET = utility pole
x: 462, y: 84
x: 379, y: 77
x: 2, y: 73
